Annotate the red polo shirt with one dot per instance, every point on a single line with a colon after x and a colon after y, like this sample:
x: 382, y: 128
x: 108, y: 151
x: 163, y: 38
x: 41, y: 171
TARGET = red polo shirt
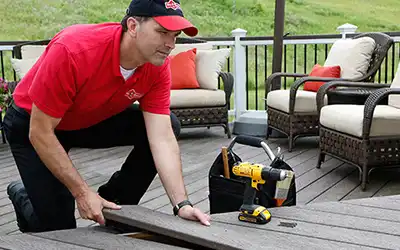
x: 78, y: 79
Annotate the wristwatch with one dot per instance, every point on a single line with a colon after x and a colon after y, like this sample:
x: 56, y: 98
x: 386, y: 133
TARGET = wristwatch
x: 180, y: 205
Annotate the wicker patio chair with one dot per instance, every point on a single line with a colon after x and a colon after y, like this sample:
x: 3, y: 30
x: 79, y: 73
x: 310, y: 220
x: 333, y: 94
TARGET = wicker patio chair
x: 366, y: 136
x: 207, y: 116
x: 294, y: 123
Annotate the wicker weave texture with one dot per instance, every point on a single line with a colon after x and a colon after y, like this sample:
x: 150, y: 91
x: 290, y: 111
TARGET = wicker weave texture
x: 376, y: 152
x: 302, y: 124
x: 279, y: 120
x: 206, y: 115
x: 341, y: 145
x: 384, y: 152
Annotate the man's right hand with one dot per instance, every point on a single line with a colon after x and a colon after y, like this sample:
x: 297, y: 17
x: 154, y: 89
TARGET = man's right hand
x: 90, y: 206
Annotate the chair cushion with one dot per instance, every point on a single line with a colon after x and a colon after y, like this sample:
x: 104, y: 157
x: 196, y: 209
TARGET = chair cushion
x: 349, y: 119
x: 394, y: 100
x: 188, y: 46
x: 352, y: 55
x: 209, y: 64
x: 321, y: 71
x: 32, y: 51
x: 305, y: 100
x: 194, y: 98
x: 184, y: 62
x: 22, y: 66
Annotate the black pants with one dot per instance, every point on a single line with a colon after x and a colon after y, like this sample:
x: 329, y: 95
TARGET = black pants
x: 52, y: 203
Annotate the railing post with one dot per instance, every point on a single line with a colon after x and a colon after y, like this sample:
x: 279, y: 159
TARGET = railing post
x: 346, y: 28
x: 239, y: 71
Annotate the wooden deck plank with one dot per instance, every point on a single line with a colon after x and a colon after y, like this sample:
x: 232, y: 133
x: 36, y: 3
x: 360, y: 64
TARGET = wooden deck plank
x: 354, y: 210
x: 15, y: 242
x: 314, y: 174
x: 94, y: 238
x: 220, y: 235
x: 307, y: 228
x: 341, y: 189
x: 385, y: 203
x: 312, y: 191
x: 301, y: 213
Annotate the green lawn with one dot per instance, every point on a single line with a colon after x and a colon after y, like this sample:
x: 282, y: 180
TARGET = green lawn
x: 27, y: 19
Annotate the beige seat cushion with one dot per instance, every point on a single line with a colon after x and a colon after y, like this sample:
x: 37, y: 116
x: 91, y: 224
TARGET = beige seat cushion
x: 349, y: 119
x: 352, y: 55
x: 394, y: 100
x: 305, y: 101
x: 191, y: 98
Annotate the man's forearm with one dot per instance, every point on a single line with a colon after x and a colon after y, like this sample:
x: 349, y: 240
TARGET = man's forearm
x: 57, y: 161
x: 168, y: 163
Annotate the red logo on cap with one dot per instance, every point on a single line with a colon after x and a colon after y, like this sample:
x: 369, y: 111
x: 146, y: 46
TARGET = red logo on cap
x: 171, y: 5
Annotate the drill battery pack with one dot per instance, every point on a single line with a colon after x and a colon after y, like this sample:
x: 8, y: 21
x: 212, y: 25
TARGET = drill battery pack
x: 226, y: 194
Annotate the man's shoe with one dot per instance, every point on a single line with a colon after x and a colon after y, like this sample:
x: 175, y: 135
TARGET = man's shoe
x: 18, y: 196
x: 116, y: 190
x: 109, y: 191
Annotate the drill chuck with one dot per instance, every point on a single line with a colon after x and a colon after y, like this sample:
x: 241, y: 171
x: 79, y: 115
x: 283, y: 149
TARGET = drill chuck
x: 273, y: 174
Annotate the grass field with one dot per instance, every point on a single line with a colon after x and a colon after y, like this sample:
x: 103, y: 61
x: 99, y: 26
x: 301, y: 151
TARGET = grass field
x: 27, y: 19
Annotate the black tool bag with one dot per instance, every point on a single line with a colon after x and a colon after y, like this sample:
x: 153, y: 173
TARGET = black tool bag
x: 226, y: 195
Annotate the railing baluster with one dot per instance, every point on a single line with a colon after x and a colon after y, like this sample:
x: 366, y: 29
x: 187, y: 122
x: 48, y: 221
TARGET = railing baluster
x: 326, y: 51
x: 247, y: 77
x: 295, y: 60
x: 14, y: 73
x: 256, y: 75
x: 393, y: 59
x: 229, y: 61
x: 219, y: 79
x: 315, y: 54
x: 265, y: 61
x: 386, y: 67
x: 379, y: 74
x: 265, y: 71
x: 305, y: 58
x: 285, y: 64
x: 2, y: 66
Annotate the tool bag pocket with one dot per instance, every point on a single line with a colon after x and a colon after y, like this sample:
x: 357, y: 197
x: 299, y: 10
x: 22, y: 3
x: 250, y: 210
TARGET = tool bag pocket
x: 226, y: 194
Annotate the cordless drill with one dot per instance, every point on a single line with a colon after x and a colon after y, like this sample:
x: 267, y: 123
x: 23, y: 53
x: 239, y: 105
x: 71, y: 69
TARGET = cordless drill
x: 257, y: 174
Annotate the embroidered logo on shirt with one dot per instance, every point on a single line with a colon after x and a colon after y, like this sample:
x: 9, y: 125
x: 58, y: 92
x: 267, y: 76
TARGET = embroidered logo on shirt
x: 132, y: 94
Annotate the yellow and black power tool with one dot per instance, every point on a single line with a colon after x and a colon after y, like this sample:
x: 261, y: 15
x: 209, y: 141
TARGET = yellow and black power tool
x: 258, y: 174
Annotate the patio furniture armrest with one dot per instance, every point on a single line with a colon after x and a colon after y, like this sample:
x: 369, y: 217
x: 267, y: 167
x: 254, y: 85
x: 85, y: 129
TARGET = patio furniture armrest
x: 296, y: 85
x: 268, y: 82
x: 324, y: 89
x: 227, y: 79
x: 370, y: 104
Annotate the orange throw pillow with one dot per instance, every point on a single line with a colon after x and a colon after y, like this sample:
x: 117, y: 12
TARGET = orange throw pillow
x: 183, y: 70
x: 321, y: 71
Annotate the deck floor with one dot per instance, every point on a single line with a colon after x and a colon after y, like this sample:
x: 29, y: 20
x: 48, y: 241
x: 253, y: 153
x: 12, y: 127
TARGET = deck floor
x: 199, y: 147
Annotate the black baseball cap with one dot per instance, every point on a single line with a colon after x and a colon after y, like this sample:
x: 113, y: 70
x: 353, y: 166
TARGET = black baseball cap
x: 167, y: 13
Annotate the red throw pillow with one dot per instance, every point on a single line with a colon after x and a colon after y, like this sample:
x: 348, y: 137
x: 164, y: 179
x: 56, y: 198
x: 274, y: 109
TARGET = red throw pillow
x: 321, y: 71
x: 183, y: 70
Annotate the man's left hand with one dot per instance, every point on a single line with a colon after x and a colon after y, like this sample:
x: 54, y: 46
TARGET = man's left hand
x: 192, y: 213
